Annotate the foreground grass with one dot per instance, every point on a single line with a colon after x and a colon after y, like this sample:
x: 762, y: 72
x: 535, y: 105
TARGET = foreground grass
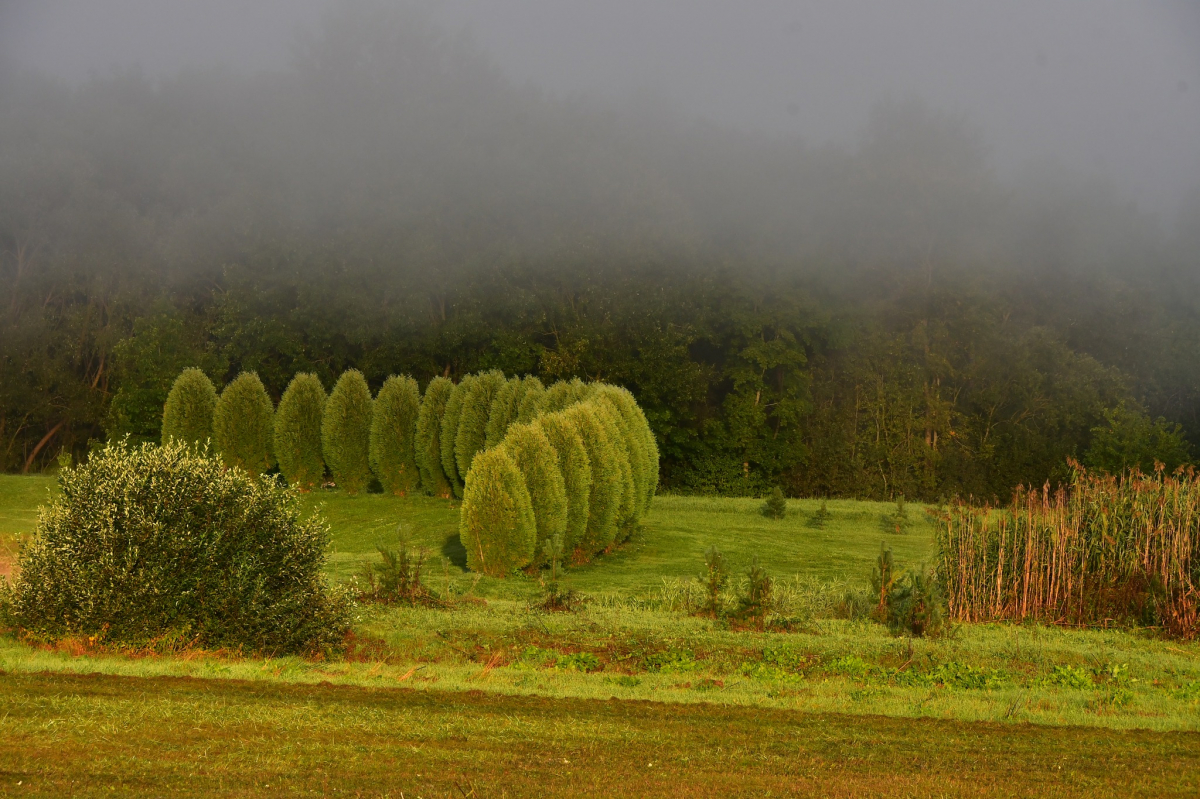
x: 92, y: 736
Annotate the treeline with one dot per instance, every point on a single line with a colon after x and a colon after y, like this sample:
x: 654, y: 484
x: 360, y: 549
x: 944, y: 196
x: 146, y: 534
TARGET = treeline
x: 870, y: 321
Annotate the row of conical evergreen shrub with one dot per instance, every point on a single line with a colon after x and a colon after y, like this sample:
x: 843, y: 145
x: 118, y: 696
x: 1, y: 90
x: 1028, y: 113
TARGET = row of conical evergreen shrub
x: 574, y: 460
x: 348, y: 432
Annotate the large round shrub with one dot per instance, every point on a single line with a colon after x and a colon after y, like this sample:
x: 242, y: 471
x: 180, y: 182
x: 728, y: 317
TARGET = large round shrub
x: 298, y: 432
x: 564, y: 394
x: 604, y: 501
x: 393, y: 429
x: 244, y: 424
x: 153, y: 543
x: 346, y: 432
x: 188, y: 413
x: 496, y: 524
x: 470, y: 438
x: 428, y: 444
x: 537, y: 461
x: 642, y: 444
x: 576, y: 471
x: 450, y: 419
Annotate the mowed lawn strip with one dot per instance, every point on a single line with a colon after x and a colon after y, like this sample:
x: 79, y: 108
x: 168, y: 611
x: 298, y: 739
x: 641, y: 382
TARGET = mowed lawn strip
x: 102, y: 735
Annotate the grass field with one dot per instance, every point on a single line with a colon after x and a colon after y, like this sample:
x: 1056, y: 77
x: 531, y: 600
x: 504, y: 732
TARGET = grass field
x: 494, y: 693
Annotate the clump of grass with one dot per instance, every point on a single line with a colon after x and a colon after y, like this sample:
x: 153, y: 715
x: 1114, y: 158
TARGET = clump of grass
x: 557, y: 598
x: 1099, y: 549
x: 396, y: 578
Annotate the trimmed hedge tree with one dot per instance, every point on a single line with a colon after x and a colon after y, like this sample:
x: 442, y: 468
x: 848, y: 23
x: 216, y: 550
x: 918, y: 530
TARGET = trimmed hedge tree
x: 530, y: 406
x: 450, y: 419
x: 393, y: 430
x: 497, y: 525
x: 576, y: 470
x: 346, y: 432
x: 151, y: 543
x: 604, y: 500
x: 471, y: 436
x: 628, y: 506
x: 298, y: 432
x: 644, y: 447
x: 503, y: 412
x: 428, y: 446
x: 188, y: 413
x: 244, y: 424
x: 537, y: 461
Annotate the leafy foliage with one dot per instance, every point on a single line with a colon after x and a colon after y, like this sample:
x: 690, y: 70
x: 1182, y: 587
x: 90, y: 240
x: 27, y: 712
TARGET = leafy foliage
x: 497, y: 525
x: 149, y: 542
x: 243, y: 424
x: 1129, y: 439
x: 188, y: 413
x: 393, y: 432
x: 298, y: 432
x: 346, y: 432
x: 604, y: 499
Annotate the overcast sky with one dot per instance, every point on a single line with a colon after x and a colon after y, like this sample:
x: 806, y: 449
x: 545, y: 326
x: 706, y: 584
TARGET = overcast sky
x: 1107, y: 88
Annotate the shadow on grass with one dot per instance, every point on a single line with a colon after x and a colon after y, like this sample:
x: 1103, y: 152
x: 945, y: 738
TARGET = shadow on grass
x: 454, y: 551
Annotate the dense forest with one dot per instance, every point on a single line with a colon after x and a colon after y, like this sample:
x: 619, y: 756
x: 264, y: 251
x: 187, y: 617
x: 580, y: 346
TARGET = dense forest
x: 881, y: 317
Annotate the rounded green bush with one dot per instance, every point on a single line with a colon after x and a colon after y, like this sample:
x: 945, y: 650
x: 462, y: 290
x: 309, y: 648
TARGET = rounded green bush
x: 449, y: 433
x: 496, y: 525
x: 428, y: 444
x: 154, y: 544
x: 576, y: 471
x: 471, y: 435
x: 188, y: 413
x: 393, y: 430
x: 244, y: 424
x: 530, y: 405
x: 298, y: 432
x: 346, y: 432
x: 537, y: 461
x: 604, y: 501
x: 503, y: 412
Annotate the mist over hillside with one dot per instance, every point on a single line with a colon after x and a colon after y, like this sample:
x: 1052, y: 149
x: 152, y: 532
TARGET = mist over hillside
x: 892, y: 313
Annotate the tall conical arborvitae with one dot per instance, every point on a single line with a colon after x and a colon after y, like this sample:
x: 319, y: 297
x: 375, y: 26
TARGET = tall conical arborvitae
x: 428, y: 444
x: 564, y: 394
x: 576, y: 471
x: 640, y: 433
x: 530, y: 405
x: 393, y: 430
x: 537, y: 461
x: 188, y: 413
x: 604, y: 501
x: 503, y: 412
x: 628, y: 507
x: 450, y: 419
x: 497, y: 526
x: 470, y: 437
x: 243, y: 424
x: 298, y: 432
x: 346, y: 432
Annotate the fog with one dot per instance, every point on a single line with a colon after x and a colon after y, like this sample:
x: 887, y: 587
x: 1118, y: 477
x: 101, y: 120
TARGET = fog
x: 1106, y: 89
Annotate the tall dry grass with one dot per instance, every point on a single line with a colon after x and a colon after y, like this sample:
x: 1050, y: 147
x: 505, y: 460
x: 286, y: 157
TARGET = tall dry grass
x: 1100, y: 549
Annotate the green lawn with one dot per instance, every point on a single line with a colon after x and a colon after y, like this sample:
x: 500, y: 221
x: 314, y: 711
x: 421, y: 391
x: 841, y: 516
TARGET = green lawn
x: 493, y: 692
